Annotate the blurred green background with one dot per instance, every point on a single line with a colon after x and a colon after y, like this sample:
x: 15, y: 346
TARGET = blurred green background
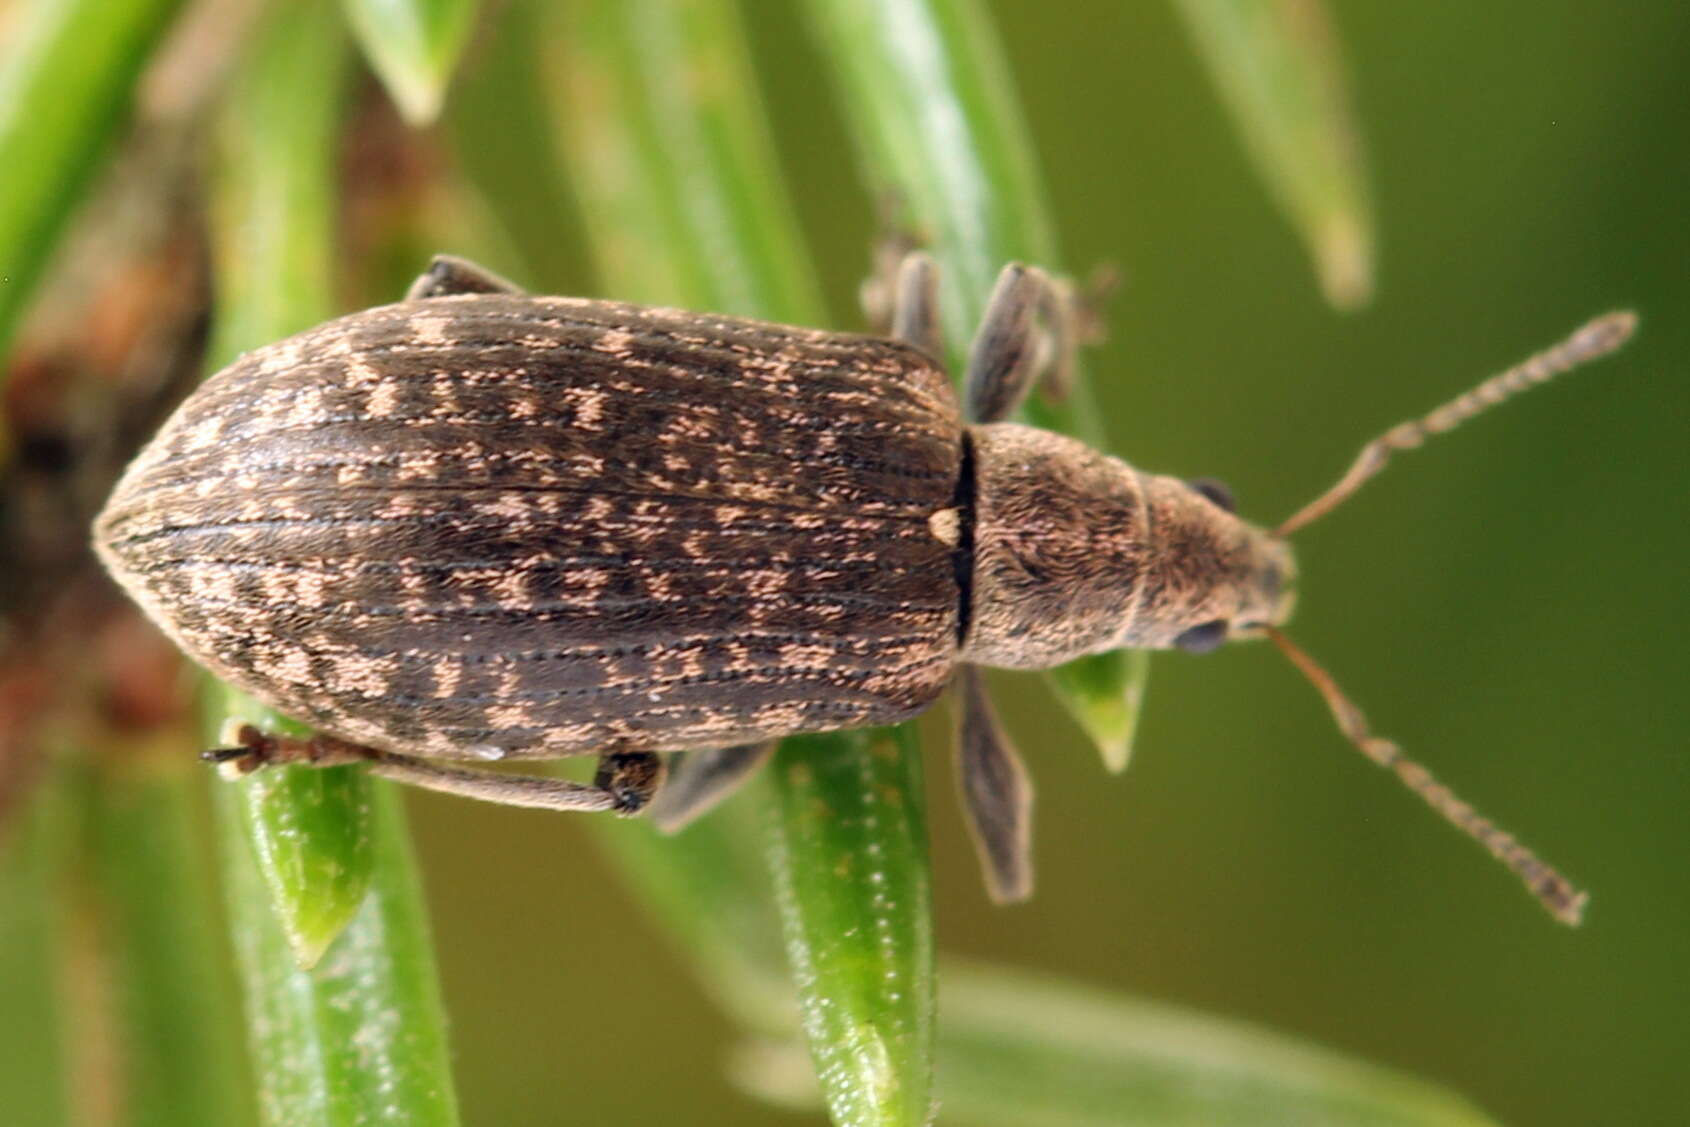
x: 1504, y: 604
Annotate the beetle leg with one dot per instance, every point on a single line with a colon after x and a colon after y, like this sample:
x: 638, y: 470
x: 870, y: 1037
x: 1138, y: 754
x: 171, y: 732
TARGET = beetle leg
x: 625, y: 782
x: 996, y: 793
x: 915, y: 305
x: 631, y: 778
x: 251, y: 749
x: 448, y: 274
x: 1033, y: 325
x: 1010, y: 349
x: 699, y: 780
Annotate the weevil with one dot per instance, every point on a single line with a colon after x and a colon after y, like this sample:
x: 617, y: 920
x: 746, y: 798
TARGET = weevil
x: 480, y: 525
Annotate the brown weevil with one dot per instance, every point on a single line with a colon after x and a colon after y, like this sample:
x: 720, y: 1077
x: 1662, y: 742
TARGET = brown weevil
x: 482, y: 525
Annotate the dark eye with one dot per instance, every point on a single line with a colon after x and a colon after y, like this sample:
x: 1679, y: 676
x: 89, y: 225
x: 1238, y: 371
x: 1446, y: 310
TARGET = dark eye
x: 1203, y: 639
x: 1215, y: 491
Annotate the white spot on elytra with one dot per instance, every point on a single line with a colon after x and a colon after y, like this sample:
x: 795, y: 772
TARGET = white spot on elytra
x: 946, y: 526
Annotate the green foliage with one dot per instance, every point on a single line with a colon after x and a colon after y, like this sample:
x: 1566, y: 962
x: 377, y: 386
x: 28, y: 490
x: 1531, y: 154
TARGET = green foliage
x: 414, y: 45
x: 849, y: 851
x: 35, y: 866
x: 1278, y: 68
x: 158, y: 935
x: 359, y: 1038
x: 66, y: 82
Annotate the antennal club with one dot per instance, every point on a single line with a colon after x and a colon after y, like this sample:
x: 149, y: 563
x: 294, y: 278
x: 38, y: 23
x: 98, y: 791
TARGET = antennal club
x: 1553, y: 891
x: 1593, y: 341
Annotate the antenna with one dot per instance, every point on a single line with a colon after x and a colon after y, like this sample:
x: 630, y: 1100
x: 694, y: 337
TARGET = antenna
x: 1595, y: 340
x: 1553, y: 891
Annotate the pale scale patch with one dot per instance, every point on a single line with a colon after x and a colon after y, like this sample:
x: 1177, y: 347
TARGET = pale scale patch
x: 448, y: 675
x: 508, y: 716
x: 509, y: 506
x: 764, y: 584
x: 510, y: 683
x: 439, y: 745
x: 589, y: 405
x: 291, y: 666
x: 291, y: 508
x: 306, y: 407
x: 383, y: 399
x: 510, y: 589
x: 368, y: 677
x: 443, y: 397
x: 574, y: 735
x: 415, y: 584
x: 593, y: 578
x: 282, y: 357
x: 398, y: 507
x: 431, y: 330
x: 615, y: 342
x: 312, y: 589
x: 359, y: 371
x: 420, y: 467
x: 946, y: 526
x: 797, y: 654
x: 205, y: 433
x: 278, y: 588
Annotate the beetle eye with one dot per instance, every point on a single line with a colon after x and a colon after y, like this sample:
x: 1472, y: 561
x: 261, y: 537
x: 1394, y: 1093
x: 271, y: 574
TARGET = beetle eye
x: 1203, y: 639
x: 1215, y: 491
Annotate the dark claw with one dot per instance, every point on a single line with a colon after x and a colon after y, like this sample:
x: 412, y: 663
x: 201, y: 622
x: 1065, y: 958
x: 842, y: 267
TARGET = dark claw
x: 632, y: 778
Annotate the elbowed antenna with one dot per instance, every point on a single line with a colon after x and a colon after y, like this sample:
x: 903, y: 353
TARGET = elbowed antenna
x: 1553, y: 891
x: 1595, y: 340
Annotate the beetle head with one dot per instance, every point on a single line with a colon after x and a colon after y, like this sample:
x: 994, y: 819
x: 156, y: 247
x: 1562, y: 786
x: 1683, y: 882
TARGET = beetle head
x: 1076, y: 552
x: 1210, y: 577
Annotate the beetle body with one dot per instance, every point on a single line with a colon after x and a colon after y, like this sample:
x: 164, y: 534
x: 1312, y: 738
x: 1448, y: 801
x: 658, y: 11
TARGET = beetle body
x: 491, y: 525
x: 477, y: 525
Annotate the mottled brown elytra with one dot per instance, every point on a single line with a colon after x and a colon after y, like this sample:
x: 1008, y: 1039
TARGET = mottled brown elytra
x: 480, y: 525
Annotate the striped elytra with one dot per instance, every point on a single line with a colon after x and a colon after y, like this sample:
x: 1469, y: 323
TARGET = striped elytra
x: 496, y: 525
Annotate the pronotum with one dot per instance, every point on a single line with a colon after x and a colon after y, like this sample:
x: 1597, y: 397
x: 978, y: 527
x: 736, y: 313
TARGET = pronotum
x: 482, y: 525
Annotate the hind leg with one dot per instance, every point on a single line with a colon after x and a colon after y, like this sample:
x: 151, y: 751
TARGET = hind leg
x: 448, y: 274
x: 625, y: 782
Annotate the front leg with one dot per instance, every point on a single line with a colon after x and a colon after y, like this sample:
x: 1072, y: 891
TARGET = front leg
x: 625, y: 782
x: 448, y: 274
x: 915, y: 305
x: 1032, y: 328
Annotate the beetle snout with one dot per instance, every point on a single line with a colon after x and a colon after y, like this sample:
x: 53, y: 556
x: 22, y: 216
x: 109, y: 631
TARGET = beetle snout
x: 1269, y: 595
